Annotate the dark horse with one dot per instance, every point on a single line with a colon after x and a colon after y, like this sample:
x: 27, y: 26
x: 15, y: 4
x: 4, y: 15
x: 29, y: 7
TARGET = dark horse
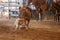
x: 56, y: 10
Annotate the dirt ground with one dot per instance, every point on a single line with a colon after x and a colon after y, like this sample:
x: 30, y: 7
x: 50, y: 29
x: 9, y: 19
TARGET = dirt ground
x: 37, y: 31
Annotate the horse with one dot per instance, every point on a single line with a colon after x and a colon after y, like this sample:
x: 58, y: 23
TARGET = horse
x: 56, y: 10
x: 26, y: 14
x: 41, y: 8
x: 44, y: 9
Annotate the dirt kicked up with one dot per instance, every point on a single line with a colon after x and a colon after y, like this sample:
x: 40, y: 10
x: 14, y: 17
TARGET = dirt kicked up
x: 28, y: 34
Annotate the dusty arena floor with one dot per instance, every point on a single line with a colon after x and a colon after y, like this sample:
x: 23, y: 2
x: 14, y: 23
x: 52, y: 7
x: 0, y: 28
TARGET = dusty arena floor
x: 37, y: 31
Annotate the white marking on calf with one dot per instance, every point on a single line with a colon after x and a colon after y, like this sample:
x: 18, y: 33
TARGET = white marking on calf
x: 17, y: 26
x: 16, y: 23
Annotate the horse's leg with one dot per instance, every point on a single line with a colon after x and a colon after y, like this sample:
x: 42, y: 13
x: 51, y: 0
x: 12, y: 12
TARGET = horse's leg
x: 55, y: 16
x: 41, y: 16
x: 44, y: 15
x: 58, y: 17
x: 36, y: 16
x: 32, y: 15
x: 27, y: 23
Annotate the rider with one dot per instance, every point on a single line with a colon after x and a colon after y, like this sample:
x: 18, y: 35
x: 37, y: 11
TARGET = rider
x: 19, y: 13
